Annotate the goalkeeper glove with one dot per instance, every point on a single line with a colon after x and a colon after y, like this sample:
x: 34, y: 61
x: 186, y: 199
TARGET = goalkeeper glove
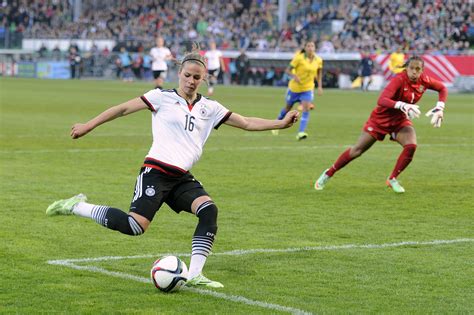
x: 410, y: 110
x: 437, y: 114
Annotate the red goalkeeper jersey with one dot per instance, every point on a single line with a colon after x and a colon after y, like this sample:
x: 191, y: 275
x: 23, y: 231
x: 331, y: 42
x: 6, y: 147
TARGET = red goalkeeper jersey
x: 402, y: 89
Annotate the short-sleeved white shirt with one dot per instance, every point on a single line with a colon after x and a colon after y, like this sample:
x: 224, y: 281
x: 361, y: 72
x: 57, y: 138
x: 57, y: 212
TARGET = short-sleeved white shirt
x: 180, y: 130
x: 213, y: 59
x: 158, y: 55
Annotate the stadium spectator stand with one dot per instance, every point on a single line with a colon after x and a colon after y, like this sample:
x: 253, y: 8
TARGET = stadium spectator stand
x: 442, y: 26
x: 436, y: 27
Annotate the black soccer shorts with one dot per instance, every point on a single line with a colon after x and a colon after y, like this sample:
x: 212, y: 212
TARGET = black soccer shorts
x: 153, y: 188
x: 159, y: 74
x: 214, y: 73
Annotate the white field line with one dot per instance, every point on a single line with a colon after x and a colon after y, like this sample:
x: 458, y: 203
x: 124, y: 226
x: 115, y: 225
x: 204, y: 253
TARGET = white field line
x: 240, y: 252
x: 72, y: 263
x: 228, y: 297
x: 214, y: 149
x: 244, y: 300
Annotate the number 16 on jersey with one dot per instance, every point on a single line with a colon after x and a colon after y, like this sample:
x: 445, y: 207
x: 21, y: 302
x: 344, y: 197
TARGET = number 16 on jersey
x: 189, y: 123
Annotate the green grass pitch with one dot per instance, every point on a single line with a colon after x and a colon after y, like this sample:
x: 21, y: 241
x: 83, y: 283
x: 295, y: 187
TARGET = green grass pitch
x: 268, y: 209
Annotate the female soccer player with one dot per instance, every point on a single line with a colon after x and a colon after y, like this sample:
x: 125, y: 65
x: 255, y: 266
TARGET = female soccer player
x: 303, y: 69
x: 215, y: 63
x: 392, y: 116
x: 182, y: 120
x: 160, y: 54
x: 396, y: 62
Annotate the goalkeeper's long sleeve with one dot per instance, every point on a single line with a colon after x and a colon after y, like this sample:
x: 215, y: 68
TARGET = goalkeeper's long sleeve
x: 440, y: 88
x: 389, y: 96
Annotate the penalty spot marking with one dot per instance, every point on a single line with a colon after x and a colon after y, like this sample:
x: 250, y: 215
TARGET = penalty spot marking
x: 73, y: 263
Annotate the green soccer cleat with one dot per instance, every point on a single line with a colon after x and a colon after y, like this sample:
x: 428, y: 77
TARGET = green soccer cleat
x: 301, y: 136
x: 201, y: 281
x: 322, y: 180
x: 65, y: 206
x: 395, y: 185
x: 275, y: 132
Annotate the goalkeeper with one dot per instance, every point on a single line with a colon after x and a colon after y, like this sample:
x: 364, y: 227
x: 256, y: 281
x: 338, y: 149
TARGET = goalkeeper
x: 393, y: 116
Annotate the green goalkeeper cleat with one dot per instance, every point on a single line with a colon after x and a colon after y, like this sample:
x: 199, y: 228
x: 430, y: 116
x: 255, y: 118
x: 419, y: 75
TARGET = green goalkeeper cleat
x: 301, y: 136
x: 65, y: 206
x: 395, y: 185
x: 322, y: 181
x: 201, y: 281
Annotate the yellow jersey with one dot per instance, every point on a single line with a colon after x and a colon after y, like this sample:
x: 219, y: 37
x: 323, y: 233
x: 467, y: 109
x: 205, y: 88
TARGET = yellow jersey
x: 306, y: 71
x: 396, y: 62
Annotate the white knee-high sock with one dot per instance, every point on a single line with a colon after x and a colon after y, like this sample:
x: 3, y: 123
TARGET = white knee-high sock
x: 83, y: 209
x: 196, y: 264
x: 88, y: 210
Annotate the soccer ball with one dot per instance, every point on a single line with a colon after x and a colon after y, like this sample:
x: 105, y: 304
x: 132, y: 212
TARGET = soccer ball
x: 169, y: 273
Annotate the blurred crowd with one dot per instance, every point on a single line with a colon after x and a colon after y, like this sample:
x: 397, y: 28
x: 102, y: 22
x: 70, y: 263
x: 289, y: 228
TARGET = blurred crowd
x: 438, y: 26
x: 441, y: 26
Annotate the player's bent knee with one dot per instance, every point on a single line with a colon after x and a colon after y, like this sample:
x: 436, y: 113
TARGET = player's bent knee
x: 125, y: 224
x: 207, y: 214
x: 135, y: 227
x: 142, y: 221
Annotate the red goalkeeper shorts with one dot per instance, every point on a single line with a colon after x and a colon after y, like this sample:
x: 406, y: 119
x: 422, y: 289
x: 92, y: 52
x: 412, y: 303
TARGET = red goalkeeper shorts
x: 379, y: 131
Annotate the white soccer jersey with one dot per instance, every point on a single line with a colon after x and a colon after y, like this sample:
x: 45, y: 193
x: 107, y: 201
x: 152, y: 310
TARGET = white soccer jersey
x: 213, y: 59
x: 181, y: 130
x: 158, y: 56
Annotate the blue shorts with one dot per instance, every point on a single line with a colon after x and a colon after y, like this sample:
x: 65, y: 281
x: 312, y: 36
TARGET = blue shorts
x: 292, y: 97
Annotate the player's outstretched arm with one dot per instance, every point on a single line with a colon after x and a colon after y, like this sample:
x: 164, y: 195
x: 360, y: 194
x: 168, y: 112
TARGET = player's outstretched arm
x: 78, y: 130
x: 259, y: 124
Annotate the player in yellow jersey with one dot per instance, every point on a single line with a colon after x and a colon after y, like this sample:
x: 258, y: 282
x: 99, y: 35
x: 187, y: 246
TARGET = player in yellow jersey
x: 396, y: 61
x: 304, y: 69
